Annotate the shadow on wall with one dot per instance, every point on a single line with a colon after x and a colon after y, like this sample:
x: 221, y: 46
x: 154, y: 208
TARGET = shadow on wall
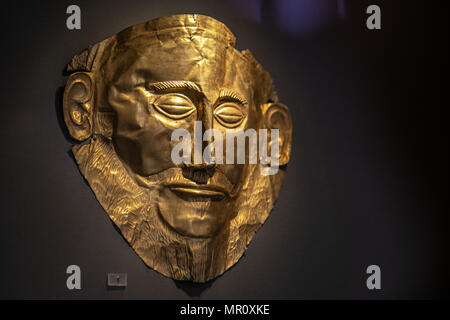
x: 193, y: 289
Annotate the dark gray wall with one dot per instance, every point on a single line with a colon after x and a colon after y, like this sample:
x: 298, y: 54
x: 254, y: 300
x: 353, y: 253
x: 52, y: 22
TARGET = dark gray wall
x: 366, y: 185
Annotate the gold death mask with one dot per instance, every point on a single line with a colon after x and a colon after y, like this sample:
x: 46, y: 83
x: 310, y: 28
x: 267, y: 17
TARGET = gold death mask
x: 127, y: 94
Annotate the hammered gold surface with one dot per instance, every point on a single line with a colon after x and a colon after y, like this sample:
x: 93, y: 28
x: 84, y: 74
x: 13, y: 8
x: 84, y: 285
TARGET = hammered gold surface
x: 127, y: 94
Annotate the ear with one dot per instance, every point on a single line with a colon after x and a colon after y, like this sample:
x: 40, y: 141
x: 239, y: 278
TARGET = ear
x: 77, y: 105
x: 277, y: 116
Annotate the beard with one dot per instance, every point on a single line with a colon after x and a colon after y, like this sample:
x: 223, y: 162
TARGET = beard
x: 135, y: 210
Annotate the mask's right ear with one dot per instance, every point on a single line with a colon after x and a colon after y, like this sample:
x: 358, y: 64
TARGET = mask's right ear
x: 78, y: 105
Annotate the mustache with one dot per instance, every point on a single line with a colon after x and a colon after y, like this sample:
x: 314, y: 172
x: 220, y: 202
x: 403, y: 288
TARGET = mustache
x: 174, y: 175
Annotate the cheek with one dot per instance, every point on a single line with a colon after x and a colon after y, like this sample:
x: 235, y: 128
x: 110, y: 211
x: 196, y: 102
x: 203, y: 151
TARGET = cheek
x: 236, y: 172
x: 142, y: 135
x: 130, y: 109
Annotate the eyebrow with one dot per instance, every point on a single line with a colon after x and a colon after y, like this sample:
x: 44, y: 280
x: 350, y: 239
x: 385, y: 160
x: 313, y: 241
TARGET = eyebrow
x: 230, y: 94
x: 167, y: 85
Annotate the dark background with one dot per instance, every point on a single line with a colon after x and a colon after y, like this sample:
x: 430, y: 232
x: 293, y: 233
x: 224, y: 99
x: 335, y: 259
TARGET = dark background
x: 367, y: 183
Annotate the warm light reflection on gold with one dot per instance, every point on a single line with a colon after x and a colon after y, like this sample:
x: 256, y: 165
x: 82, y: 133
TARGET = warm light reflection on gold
x: 127, y: 94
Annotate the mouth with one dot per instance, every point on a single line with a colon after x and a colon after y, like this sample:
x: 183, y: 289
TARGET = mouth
x: 203, y: 192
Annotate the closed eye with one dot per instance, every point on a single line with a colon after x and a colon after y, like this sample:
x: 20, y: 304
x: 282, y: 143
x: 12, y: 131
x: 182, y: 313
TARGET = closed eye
x: 229, y: 115
x: 175, y: 106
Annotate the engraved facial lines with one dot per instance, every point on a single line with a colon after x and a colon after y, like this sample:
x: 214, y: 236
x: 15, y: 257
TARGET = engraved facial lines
x: 179, y: 99
x: 175, y: 106
x: 228, y: 115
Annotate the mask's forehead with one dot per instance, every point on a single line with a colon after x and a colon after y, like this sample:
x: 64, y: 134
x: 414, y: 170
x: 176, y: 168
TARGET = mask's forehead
x: 210, y: 63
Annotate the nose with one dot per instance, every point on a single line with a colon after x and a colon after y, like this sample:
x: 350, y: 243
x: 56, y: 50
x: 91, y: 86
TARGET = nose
x: 204, y: 123
x: 202, y: 165
x: 199, y: 173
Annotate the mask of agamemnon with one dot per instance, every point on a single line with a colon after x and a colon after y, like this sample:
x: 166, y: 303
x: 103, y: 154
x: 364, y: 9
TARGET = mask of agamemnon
x: 127, y: 94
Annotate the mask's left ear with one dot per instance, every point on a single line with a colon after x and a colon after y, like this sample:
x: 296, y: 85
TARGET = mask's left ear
x: 277, y: 116
x: 77, y: 105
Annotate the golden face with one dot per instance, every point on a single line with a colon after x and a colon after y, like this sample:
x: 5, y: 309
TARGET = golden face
x: 192, y: 220
x: 151, y: 101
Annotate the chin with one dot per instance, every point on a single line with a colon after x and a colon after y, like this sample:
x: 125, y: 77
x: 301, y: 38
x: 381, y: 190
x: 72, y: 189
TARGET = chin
x: 198, y: 227
x: 194, y: 221
x: 196, y: 217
